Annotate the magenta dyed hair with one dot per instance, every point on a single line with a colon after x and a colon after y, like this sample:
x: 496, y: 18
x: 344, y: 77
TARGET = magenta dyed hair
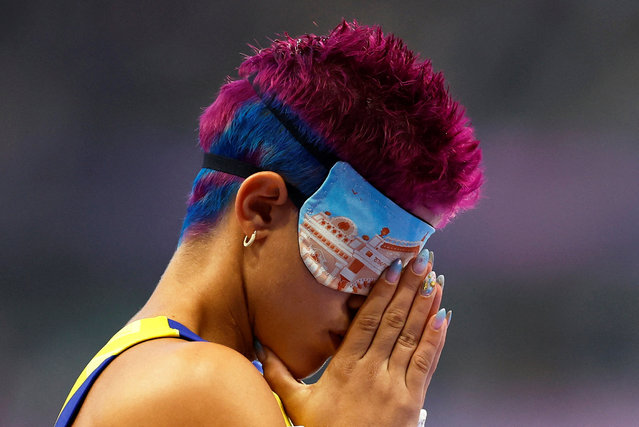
x: 375, y: 105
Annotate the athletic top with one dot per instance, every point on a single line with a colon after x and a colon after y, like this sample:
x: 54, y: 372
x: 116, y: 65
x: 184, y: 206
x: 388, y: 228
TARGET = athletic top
x: 132, y: 334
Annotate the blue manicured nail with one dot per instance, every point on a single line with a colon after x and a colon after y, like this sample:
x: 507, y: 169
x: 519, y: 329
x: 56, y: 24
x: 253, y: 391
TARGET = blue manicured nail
x: 449, y: 316
x: 440, y: 280
x: 421, y: 262
x: 439, y: 319
x: 431, y: 258
x: 394, y: 271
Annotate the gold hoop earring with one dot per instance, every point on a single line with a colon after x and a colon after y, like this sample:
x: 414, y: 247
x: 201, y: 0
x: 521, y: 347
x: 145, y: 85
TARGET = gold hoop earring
x: 250, y: 241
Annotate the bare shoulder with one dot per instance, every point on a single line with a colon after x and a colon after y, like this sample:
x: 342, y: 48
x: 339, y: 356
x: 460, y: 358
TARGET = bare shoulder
x: 175, y: 382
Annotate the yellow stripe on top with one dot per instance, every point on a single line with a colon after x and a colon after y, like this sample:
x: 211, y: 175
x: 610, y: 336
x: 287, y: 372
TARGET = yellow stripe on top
x: 130, y: 335
x: 287, y: 420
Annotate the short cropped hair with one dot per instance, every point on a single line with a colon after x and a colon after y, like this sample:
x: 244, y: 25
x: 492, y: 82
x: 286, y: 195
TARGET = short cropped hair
x: 356, y: 93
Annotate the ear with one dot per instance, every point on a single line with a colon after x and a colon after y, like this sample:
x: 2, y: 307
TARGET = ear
x: 261, y: 203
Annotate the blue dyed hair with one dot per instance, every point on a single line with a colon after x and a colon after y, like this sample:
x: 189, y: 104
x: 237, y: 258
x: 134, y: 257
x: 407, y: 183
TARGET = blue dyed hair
x: 253, y: 135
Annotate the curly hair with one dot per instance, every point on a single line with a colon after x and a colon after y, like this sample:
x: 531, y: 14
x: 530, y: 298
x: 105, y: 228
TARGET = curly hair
x: 356, y: 93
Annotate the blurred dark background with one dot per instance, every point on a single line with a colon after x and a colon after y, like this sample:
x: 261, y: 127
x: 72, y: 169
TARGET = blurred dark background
x: 98, y: 118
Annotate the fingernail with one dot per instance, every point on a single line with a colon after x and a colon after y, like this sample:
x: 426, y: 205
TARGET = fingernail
x: 426, y: 289
x: 429, y: 284
x: 431, y: 258
x: 394, y: 271
x: 440, y: 280
x: 259, y: 350
x: 421, y: 262
x: 439, y: 319
x: 449, y: 316
x: 431, y: 279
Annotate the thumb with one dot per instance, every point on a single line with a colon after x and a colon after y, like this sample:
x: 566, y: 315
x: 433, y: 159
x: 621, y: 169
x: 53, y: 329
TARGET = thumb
x: 277, y: 375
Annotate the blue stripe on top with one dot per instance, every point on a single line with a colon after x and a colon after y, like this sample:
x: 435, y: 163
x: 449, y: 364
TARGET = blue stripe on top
x: 185, y: 332
x: 71, y: 409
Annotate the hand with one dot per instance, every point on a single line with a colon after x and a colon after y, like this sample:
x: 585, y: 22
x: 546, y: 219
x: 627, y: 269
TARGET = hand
x: 380, y: 373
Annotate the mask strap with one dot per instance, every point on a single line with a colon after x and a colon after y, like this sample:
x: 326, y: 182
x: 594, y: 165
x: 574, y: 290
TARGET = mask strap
x: 244, y: 170
x: 327, y: 159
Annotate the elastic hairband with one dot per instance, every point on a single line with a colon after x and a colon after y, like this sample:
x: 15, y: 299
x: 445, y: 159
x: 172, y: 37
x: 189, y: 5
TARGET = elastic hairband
x: 325, y: 158
x: 244, y: 170
x: 229, y: 165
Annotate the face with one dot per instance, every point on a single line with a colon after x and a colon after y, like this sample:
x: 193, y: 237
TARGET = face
x: 308, y: 321
x: 306, y: 324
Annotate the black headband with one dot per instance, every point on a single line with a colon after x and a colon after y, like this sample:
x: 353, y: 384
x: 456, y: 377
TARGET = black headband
x: 326, y: 158
x: 244, y: 170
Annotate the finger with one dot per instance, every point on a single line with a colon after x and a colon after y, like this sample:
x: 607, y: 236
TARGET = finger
x: 437, y: 356
x: 439, y: 292
x: 423, y: 361
x: 278, y: 376
x: 364, y: 326
x: 412, y: 332
x: 397, y: 312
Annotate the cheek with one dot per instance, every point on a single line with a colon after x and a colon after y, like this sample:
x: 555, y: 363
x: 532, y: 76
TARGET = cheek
x: 297, y: 326
x: 281, y: 260
x: 297, y: 330
x: 293, y: 312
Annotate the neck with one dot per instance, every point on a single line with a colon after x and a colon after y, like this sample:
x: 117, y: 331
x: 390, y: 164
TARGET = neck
x: 203, y: 288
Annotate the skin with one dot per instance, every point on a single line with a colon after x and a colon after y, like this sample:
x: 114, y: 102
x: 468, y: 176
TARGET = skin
x: 229, y: 294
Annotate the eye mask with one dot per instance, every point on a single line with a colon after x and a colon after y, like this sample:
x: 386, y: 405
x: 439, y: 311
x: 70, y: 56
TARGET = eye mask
x: 349, y: 232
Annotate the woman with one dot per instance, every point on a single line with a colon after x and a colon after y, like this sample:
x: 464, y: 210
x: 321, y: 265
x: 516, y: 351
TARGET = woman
x: 327, y: 165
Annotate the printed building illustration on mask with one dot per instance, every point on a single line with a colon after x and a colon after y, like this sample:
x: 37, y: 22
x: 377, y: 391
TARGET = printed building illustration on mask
x: 340, y: 258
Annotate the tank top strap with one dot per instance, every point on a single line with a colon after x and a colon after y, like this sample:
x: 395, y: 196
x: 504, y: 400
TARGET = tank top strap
x: 130, y: 335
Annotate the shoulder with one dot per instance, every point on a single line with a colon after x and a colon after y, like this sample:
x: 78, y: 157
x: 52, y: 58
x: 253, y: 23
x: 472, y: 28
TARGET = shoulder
x: 175, y: 382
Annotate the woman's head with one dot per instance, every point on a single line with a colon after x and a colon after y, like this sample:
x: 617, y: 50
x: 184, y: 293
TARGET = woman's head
x: 367, y: 100
x: 357, y: 94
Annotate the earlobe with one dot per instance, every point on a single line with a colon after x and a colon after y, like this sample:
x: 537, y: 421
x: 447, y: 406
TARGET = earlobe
x: 259, y: 202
